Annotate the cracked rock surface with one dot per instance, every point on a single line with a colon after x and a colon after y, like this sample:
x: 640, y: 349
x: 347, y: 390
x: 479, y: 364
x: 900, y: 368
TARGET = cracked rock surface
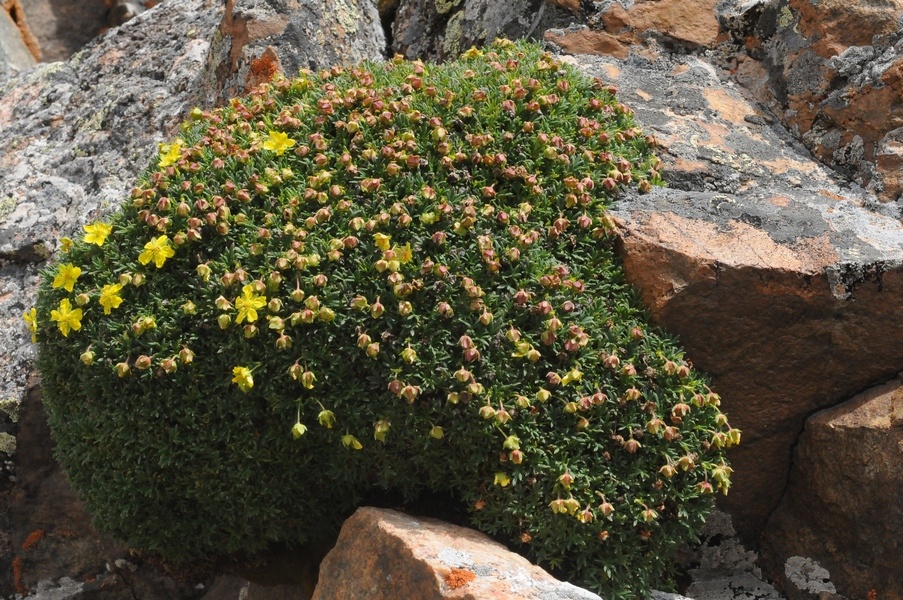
x: 776, y: 275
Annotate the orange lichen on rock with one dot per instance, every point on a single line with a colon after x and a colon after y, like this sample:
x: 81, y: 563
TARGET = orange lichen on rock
x: 32, y: 540
x: 17, y: 576
x: 459, y: 578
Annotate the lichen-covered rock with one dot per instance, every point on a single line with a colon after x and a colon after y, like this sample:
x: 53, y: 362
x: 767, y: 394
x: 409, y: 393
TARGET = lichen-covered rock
x: 439, y: 30
x: 615, y: 27
x: 270, y: 36
x: 843, y: 507
x: 773, y: 272
x: 383, y: 555
x: 832, y: 71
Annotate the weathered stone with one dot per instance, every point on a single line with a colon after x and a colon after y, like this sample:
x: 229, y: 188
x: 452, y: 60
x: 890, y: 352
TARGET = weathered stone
x: 805, y: 579
x: 843, y: 507
x: 385, y: 555
x: 773, y: 273
x: 832, y: 70
x: 310, y: 34
x: 686, y: 24
x: 14, y: 53
x: 442, y: 29
x: 63, y: 27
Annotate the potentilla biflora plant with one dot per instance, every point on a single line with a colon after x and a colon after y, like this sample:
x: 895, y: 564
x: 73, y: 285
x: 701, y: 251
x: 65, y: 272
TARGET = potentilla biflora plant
x: 399, y: 276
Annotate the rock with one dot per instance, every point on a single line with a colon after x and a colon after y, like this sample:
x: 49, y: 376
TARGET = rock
x: 772, y: 271
x: 440, y: 30
x: 721, y: 568
x: 15, y: 55
x: 805, y: 579
x: 384, y: 554
x: 311, y: 35
x: 683, y: 24
x: 831, y: 69
x: 843, y: 508
x: 63, y: 27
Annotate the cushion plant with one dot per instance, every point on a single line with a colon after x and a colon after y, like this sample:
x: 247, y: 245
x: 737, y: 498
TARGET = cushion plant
x: 398, y: 276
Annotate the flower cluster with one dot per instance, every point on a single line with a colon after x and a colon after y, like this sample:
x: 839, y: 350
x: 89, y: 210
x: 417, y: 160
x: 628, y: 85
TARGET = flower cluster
x: 395, y: 276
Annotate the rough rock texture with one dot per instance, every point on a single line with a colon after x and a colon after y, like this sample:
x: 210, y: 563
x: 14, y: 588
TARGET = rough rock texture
x: 63, y: 27
x: 442, y: 29
x: 721, y: 568
x: 311, y: 34
x: 385, y: 555
x: 614, y: 27
x: 805, y: 579
x: 14, y: 52
x: 833, y: 72
x: 844, y: 500
x: 774, y: 274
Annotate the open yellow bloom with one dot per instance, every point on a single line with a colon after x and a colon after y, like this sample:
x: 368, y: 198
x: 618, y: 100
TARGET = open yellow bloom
x: 382, y: 240
x: 404, y: 253
x: 170, y: 153
x: 31, y: 319
x: 243, y: 377
x: 157, y: 250
x: 67, y: 318
x: 109, y: 297
x: 97, y: 233
x: 66, y: 276
x: 248, y: 304
x: 278, y: 142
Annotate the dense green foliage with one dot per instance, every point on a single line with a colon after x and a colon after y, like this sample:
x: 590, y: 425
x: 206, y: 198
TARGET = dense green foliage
x: 397, y: 276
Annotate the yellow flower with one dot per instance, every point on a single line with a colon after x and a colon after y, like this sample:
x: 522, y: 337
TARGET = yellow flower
x: 351, y: 442
x: 326, y: 418
x: 65, y: 244
x: 157, y: 250
x: 382, y: 240
x: 66, y: 317
x: 404, y: 253
x: 109, y: 297
x: 31, y: 319
x: 501, y: 479
x: 242, y: 377
x: 278, y: 142
x: 298, y: 429
x: 66, y: 277
x: 170, y: 153
x: 248, y: 304
x: 97, y: 233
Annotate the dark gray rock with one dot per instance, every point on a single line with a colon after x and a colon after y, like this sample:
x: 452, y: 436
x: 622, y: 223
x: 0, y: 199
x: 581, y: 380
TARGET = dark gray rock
x: 442, y: 29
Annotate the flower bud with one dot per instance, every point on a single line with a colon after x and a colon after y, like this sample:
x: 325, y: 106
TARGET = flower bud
x: 543, y: 395
x: 405, y: 308
x: 143, y: 362
x: 138, y: 279
x: 373, y: 350
x: 436, y: 432
x: 463, y: 375
x: 326, y: 314
x: 326, y: 418
x: 409, y: 355
x: 487, y: 412
x: 87, y: 357
x: 123, y: 369
x: 308, y: 379
x: 410, y: 393
x: 169, y: 365
x: 502, y: 416
x: 298, y: 430
x: 186, y: 356
x: 224, y: 321
x: 377, y: 309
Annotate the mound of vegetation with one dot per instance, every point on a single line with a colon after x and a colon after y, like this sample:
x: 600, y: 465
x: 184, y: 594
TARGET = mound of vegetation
x: 393, y: 277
